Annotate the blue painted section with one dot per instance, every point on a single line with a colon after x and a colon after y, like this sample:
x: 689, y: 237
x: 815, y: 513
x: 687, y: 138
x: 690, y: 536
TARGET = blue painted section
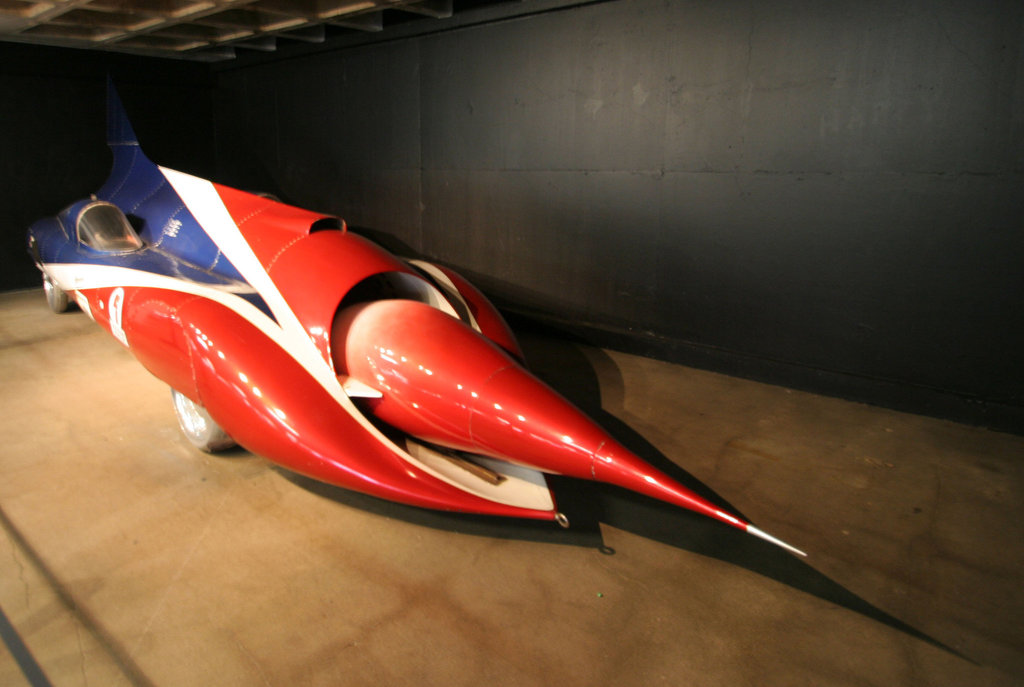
x: 119, y: 128
x: 139, y: 188
x: 53, y: 246
x: 175, y: 243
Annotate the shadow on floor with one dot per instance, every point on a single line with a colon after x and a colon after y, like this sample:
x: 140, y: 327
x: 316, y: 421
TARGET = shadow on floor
x: 589, y: 504
x: 563, y: 365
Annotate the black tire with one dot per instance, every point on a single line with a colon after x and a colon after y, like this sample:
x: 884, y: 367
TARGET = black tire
x: 197, y: 425
x: 56, y: 297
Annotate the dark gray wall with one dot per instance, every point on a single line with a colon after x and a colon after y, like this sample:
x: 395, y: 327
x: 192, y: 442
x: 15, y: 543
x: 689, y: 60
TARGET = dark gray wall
x: 824, y: 194
x: 53, y: 134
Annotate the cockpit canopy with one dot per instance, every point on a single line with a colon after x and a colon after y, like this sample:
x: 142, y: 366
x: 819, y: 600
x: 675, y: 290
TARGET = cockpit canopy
x: 103, y: 226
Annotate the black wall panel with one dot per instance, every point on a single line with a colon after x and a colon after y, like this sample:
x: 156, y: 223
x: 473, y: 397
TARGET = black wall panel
x: 332, y: 133
x: 819, y: 194
x: 53, y: 132
x: 822, y: 194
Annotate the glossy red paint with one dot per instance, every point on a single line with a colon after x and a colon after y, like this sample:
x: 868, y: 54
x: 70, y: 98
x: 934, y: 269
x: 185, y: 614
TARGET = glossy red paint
x: 491, y: 323
x: 269, y: 404
x: 157, y: 338
x: 267, y: 225
x: 444, y: 383
x: 316, y: 273
x: 447, y: 382
x: 321, y: 351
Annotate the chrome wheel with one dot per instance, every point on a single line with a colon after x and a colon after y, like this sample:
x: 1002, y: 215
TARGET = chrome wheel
x: 56, y: 297
x: 198, y: 426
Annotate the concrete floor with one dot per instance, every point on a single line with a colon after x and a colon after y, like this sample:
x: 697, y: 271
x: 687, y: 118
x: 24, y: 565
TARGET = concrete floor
x: 130, y: 558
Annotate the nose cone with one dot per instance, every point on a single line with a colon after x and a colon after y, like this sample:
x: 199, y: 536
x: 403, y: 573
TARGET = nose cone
x: 444, y: 383
x: 519, y: 418
x: 429, y: 367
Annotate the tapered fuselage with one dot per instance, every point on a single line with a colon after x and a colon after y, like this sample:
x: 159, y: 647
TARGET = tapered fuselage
x: 323, y: 352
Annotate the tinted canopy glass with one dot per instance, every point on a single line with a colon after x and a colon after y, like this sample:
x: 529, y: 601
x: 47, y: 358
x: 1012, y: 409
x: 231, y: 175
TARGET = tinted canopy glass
x: 104, y: 227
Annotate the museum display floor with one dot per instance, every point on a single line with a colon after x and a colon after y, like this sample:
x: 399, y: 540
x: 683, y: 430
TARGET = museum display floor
x: 129, y: 558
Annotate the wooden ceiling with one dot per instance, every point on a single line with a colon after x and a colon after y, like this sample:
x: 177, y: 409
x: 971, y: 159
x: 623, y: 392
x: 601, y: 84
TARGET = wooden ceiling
x: 196, y: 29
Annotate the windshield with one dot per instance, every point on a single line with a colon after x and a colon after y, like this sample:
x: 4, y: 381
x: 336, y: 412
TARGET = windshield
x: 104, y: 227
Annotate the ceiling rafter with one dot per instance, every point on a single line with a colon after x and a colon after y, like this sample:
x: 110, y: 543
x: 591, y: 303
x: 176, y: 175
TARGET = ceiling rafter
x: 196, y: 29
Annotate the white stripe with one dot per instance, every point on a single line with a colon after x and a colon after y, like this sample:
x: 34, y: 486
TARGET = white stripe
x: 80, y: 277
x: 76, y: 276
x: 442, y: 279
x: 778, y: 542
x: 206, y: 205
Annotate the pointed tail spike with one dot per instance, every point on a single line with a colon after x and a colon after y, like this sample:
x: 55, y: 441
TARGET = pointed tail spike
x: 778, y: 542
x: 436, y: 379
x: 616, y: 465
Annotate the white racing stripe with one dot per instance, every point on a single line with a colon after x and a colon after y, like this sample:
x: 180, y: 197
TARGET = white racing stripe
x: 202, y: 200
x: 206, y: 205
x: 84, y: 276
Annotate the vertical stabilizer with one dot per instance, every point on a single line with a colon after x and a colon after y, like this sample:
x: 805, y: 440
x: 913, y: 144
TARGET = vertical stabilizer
x: 132, y: 176
x: 119, y: 129
x: 142, y: 191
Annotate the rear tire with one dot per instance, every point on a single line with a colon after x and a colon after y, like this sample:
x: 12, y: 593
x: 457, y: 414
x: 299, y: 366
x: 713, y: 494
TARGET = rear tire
x: 197, y: 425
x: 56, y: 297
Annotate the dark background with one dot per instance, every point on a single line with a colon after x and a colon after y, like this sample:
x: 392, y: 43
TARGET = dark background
x: 822, y: 195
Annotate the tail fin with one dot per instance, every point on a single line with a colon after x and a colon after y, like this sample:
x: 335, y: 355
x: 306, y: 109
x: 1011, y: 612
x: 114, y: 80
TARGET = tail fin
x: 132, y: 175
x: 119, y: 129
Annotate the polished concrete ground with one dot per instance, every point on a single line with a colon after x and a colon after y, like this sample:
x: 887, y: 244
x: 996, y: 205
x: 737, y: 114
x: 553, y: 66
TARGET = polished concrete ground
x: 130, y: 558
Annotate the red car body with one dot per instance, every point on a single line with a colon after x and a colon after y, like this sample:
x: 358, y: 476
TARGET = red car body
x: 280, y: 330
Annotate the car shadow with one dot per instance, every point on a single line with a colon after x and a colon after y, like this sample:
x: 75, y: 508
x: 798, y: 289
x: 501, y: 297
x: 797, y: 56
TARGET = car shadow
x: 560, y: 362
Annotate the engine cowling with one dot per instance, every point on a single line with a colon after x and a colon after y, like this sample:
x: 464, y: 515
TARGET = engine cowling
x: 444, y: 383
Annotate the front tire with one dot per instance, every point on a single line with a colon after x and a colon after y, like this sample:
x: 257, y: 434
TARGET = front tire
x: 197, y: 425
x: 56, y: 297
